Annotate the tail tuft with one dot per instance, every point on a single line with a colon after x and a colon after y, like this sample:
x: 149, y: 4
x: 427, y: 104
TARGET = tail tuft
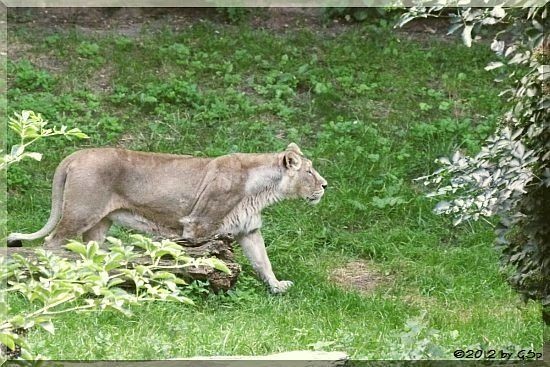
x: 14, y: 241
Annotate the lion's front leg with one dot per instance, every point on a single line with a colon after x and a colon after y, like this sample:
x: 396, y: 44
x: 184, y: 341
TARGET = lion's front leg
x: 254, y: 248
x: 195, y: 231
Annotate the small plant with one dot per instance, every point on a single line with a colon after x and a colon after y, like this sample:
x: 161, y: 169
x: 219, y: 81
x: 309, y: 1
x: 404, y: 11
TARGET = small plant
x: 123, y: 43
x: 155, y: 95
x: 27, y: 77
x: 110, y: 126
x: 178, y: 52
x: 60, y: 285
x: 278, y: 85
x: 31, y: 127
x: 52, y: 40
x: 18, y: 178
x: 389, y: 201
x: 87, y: 49
x: 419, y: 341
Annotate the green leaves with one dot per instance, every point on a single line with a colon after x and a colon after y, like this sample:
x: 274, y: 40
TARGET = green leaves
x: 384, y: 202
x: 60, y: 285
x: 77, y: 247
x: 507, y: 177
x: 48, y: 326
x: 218, y: 265
x: 31, y: 127
x: 7, y: 339
x: 419, y: 341
x: 87, y: 49
x: 424, y: 106
x: 27, y: 77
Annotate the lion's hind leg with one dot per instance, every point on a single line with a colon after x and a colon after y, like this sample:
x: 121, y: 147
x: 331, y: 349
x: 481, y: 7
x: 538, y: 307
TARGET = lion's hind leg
x: 98, y: 232
x: 70, y: 227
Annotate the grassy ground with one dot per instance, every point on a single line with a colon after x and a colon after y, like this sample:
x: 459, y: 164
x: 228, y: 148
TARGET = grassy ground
x: 373, y: 109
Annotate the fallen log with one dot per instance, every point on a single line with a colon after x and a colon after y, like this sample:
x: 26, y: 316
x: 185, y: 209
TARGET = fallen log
x: 219, y: 247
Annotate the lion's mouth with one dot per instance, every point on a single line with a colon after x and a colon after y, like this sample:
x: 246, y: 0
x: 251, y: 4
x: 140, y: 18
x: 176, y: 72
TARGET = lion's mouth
x: 315, y: 198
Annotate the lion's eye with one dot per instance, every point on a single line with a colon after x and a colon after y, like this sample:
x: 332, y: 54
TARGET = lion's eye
x: 310, y: 172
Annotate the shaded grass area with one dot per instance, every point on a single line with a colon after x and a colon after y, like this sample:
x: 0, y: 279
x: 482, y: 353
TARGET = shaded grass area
x: 372, y: 109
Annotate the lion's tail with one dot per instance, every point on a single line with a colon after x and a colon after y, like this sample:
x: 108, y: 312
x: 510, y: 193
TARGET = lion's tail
x: 59, y: 178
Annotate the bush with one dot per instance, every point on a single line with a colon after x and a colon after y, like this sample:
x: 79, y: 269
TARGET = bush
x: 510, y: 176
x: 60, y: 286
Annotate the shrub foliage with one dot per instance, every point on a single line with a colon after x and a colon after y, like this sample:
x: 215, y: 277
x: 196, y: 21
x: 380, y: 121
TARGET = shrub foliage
x: 510, y: 176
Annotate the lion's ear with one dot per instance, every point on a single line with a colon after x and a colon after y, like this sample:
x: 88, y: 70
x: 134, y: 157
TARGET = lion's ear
x: 292, y: 147
x: 291, y: 160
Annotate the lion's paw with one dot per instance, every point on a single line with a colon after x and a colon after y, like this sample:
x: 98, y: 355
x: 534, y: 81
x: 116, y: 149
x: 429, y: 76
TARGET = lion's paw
x: 281, y: 286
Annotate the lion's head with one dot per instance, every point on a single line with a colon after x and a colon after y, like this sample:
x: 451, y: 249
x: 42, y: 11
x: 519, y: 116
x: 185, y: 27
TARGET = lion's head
x: 301, y: 180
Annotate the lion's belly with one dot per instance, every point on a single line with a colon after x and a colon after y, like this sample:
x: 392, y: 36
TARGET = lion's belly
x: 133, y: 220
x: 159, y: 188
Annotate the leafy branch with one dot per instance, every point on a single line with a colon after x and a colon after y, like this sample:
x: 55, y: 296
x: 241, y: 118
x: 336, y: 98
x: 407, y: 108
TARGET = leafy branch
x: 94, y: 282
x: 510, y: 176
x: 30, y: 127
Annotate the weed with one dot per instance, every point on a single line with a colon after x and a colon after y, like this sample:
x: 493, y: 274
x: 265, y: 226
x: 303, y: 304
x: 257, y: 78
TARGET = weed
x: 87, y: 49
x: 27, y: 77
x: 176, y: 52
x: 157, y: 96
x: 123, y: 43
x: 18, y: 178
x: 110, y: 127
x: 419, y: 341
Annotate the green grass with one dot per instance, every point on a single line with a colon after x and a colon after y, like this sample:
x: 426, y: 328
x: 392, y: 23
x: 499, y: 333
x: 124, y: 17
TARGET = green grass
x: 373, y: 110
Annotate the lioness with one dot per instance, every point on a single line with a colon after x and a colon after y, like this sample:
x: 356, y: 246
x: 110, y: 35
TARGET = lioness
x: 176, y: 196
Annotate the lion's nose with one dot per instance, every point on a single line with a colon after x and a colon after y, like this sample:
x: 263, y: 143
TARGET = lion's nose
x: 324, y: 186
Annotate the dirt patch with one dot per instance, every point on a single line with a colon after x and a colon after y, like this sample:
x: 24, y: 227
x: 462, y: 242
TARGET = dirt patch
x: 358, y: 275
x: 101, y: 80
x: 115, y: 17
x: 281, y: 19
x: 131, y: 21
x: 127, y: 22
x: 84, y: 17
x: 18, y: 51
